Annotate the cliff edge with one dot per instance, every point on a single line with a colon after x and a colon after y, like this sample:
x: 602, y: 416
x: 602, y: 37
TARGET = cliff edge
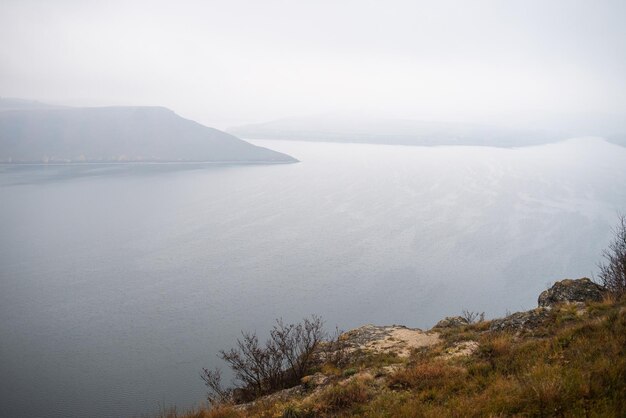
x: 567, y: 357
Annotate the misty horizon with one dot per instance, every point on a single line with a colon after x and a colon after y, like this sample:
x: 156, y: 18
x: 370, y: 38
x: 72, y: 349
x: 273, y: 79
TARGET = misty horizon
x: 175, y: 175
x: 226, y: 64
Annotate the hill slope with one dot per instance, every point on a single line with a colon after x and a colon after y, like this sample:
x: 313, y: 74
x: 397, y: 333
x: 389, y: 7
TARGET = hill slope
x: 118, y: 134
x: 333, y: 128
x: 12, y: 103
x: 565, y: 358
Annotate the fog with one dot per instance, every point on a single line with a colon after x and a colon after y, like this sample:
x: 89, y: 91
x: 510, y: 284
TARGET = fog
x: 225, y: 63
x: 460, y: 155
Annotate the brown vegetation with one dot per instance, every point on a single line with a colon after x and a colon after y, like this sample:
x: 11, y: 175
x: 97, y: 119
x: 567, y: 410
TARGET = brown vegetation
x: 261, y: 369
x: 573, y: 365
x: 613, y: 271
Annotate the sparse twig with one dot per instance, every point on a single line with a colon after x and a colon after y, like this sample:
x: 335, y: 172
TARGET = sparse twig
x: 613, y: 271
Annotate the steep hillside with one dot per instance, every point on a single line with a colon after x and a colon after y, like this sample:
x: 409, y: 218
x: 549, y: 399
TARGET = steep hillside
x: 118, y: 134
x: 565, y: 358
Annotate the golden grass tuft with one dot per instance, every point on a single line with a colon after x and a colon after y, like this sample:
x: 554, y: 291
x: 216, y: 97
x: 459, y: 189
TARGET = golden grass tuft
x: 338, y: 397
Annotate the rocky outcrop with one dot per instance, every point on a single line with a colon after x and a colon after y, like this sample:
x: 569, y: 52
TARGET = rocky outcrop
x: 396, y: 339
x: 569, y: 291
x: 578, y: 291
x: 451, y: 322
x: 521, y: 320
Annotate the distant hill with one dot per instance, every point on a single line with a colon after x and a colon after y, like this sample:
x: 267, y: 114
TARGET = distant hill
x: 12, y: 103
x: 393, y: 131
x: 35, y: 132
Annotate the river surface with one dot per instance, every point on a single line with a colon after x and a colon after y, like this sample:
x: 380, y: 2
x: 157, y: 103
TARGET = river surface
x: 119, y: 282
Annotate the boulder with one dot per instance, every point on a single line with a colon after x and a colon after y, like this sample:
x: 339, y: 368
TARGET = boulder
x: 451, y: 322
x: 520, y: 321
x: 570, y: 291
x: 315, y: 380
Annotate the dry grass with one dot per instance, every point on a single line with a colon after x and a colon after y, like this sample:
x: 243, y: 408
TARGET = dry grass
x: 220, y: 411
x: 575, y: 366
x: 338, y: 397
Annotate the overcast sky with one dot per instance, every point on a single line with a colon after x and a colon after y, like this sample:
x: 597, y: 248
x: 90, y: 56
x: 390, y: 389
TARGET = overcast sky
x: 234, y: 61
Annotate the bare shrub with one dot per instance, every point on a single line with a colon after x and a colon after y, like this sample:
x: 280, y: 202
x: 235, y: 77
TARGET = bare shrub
x: 613, y: 270
x: 473, y: 317
x: 295, y: 344
x: 335, y: 350
x: 217, y: 393
x: 259, y: 368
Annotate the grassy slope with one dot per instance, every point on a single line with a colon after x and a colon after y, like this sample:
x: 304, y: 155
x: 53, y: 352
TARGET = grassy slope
x: 574, y: 365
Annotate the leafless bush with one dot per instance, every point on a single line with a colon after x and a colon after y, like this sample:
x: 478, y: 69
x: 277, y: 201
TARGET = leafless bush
x: 295, y: 343
x: 260, y: 369
x: 613, y: 271
x: 472, y: 317
x: 335, y: 350
x: 213, y: 380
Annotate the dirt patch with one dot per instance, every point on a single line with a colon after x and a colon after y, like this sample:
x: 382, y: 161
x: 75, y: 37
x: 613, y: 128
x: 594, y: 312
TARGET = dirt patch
x: 396, y: 339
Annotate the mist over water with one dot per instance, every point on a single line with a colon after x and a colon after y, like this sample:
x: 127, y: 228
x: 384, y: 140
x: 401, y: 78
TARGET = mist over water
x: 120, y: 282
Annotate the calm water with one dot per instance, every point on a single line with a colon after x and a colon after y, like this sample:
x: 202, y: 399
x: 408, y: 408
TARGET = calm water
x: 118, y: 283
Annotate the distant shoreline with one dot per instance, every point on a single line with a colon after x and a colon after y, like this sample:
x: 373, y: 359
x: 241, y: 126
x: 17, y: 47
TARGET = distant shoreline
x: 233, y: 162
